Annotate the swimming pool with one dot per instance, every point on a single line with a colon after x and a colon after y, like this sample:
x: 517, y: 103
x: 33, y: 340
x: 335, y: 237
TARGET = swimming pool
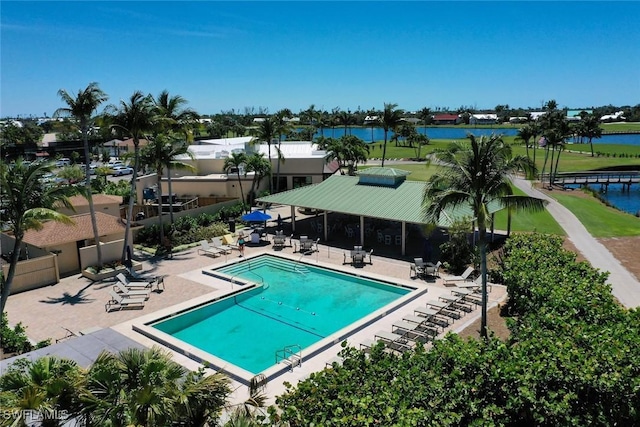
x: 287, y: 303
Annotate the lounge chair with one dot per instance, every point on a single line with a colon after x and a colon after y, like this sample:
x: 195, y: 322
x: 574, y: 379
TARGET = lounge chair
x: 464, y: 277
x: 123, y: 301
x: 133, y: 284
x: 228, y: 240
x: 134, y: 293
x: 415, y: 330
x: 394, y: 341
x: 206, y: 249
x: 216, y: 242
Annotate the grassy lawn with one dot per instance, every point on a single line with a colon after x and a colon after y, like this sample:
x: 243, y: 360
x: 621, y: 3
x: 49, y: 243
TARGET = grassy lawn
x: 541, y: 222
x: 599, y: 219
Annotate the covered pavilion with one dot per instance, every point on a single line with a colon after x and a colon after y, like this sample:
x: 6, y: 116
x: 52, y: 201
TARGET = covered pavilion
x: 376, y: 193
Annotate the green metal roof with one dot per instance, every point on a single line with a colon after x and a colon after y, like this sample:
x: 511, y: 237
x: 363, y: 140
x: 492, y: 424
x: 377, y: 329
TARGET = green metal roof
x: 344, y: 194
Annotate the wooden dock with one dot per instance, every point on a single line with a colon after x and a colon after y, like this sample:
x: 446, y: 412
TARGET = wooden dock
x: 626, y: 178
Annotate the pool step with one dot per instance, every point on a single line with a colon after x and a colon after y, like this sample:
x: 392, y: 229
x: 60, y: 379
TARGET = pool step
x: 291, y: 356
x: 272, y: 262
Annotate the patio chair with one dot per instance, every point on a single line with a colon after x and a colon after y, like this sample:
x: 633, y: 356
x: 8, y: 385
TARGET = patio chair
x: 123, y: 301
x: 464, y: 277
x: 134, y: 293
x: 279, y: 241
x: 206, y: 249
x: 432, y: 269
x: 357, y: 257
x: 216, y: 242
x: 417, y: 268
x: 133, y: 284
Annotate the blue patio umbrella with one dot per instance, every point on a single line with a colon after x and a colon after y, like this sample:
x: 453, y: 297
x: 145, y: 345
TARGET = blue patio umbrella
x: 256, y: 216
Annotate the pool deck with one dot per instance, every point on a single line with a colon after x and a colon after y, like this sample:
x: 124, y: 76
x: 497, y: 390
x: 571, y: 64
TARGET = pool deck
x: 77, y: 304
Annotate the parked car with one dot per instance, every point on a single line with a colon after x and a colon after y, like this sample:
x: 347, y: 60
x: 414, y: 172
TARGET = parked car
x: 121, y: 170
x: 63, y: 162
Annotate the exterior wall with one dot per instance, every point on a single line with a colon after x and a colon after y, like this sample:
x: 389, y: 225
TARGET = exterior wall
x: 110, y: 209
x: 34, y: 273
x: 67, y: 257
x: 111, y: 251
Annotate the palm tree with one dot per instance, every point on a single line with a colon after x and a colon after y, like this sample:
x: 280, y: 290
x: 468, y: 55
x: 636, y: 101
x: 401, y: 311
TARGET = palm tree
x: 345, y: 119
x: 48, y: 385
x: 235, y: 163
x: 145, y: 387
x: 260, y: 167
x: 590, y: 128
x: 27, y: 203
x: 172, y: 116
x: 555, y: 129
x: 159, y: 154
x: 267, y: 132
x: 282, y: 127
x: 525, y: 133
x: 425, y: 115
x: 134, y: 118
x: 478, y: 175
x: 82, y: 108
x: 391, y: 117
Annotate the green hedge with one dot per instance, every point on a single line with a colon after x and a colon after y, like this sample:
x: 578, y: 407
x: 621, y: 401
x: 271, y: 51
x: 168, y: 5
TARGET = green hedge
x: 571, y: 359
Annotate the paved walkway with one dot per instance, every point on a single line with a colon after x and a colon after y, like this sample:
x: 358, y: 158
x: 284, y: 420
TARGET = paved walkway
x: 625, y: 287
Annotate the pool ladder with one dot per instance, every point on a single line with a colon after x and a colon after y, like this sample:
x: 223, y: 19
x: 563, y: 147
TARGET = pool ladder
x: 291, y: 355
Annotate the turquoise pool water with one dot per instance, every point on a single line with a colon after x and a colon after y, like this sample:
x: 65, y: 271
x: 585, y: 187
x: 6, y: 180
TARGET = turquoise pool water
x: 299, y: 305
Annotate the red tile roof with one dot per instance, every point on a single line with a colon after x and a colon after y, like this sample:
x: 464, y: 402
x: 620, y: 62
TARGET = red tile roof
x: 98, y: 199
x: 56, y: 233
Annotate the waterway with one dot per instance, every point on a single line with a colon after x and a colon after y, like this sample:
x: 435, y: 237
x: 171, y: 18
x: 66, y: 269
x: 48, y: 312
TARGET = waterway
x: 368, y: 134
x: 628, y: 201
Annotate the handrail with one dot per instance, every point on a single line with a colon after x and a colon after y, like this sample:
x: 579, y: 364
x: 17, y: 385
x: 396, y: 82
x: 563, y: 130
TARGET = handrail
x: 292, y: 358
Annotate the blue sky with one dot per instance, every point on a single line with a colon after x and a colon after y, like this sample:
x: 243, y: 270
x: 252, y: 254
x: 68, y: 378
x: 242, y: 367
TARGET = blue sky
x: 232, y: 55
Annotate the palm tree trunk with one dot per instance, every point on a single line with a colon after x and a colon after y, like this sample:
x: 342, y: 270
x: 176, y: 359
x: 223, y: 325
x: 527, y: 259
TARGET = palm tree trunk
x: 557, y: 161
x: 89, y: 196
x: 384, y: 147
x: 526, y: 144
x: 170, y: 194
x: 591, y: 144
x: 278, y: 168
x: 8, y: 281
x: 544, y: 165
x: 482, y: 243
x: 132, y: 197
x: 241, y: 192
x: 553, y: 151
x: 159, y: 184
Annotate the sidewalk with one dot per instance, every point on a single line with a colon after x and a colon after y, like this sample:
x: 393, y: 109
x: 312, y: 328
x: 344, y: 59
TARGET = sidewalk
x: 624, y: 285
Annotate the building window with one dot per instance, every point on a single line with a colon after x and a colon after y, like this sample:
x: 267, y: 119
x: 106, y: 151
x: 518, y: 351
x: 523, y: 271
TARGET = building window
x: 301, y: 181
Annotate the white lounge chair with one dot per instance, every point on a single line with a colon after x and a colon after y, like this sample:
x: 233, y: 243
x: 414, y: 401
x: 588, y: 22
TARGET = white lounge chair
x: 123, y: 301
x: 279, y: 241
x: 464, y: 277
x: 394, y: 341
x: 133, y: 284
x: 131, y: 292
x: 206, y: 249
x: 432, y: 269
x: 216, y: 242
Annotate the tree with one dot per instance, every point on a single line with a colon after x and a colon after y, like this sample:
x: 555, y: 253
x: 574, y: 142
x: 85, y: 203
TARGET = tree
x: 282, y: 127
x: 49, y: 386
x: 589, y: 127
x: 171, y: 116
x: 555, y: 129
x: 426, y: 117
x: 391, y: 118
x: 348, y: 150
x: 234, y: 163
x: 82, y: 108
x: 159, y: 154
x: 260, y: 167
x: 134, y: 118
x: 27, y: 203
x: 267, y: 132
x: 525, y: 133
x: 147, y: 388
x: 478, y: 175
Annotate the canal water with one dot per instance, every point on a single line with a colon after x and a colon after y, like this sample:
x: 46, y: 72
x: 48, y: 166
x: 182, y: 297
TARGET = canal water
x: 368, y: 134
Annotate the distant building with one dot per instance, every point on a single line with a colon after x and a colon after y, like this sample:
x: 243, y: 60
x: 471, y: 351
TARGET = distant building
x: 446, y: 119
x: 483, y: 119
x: 576, y: 115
